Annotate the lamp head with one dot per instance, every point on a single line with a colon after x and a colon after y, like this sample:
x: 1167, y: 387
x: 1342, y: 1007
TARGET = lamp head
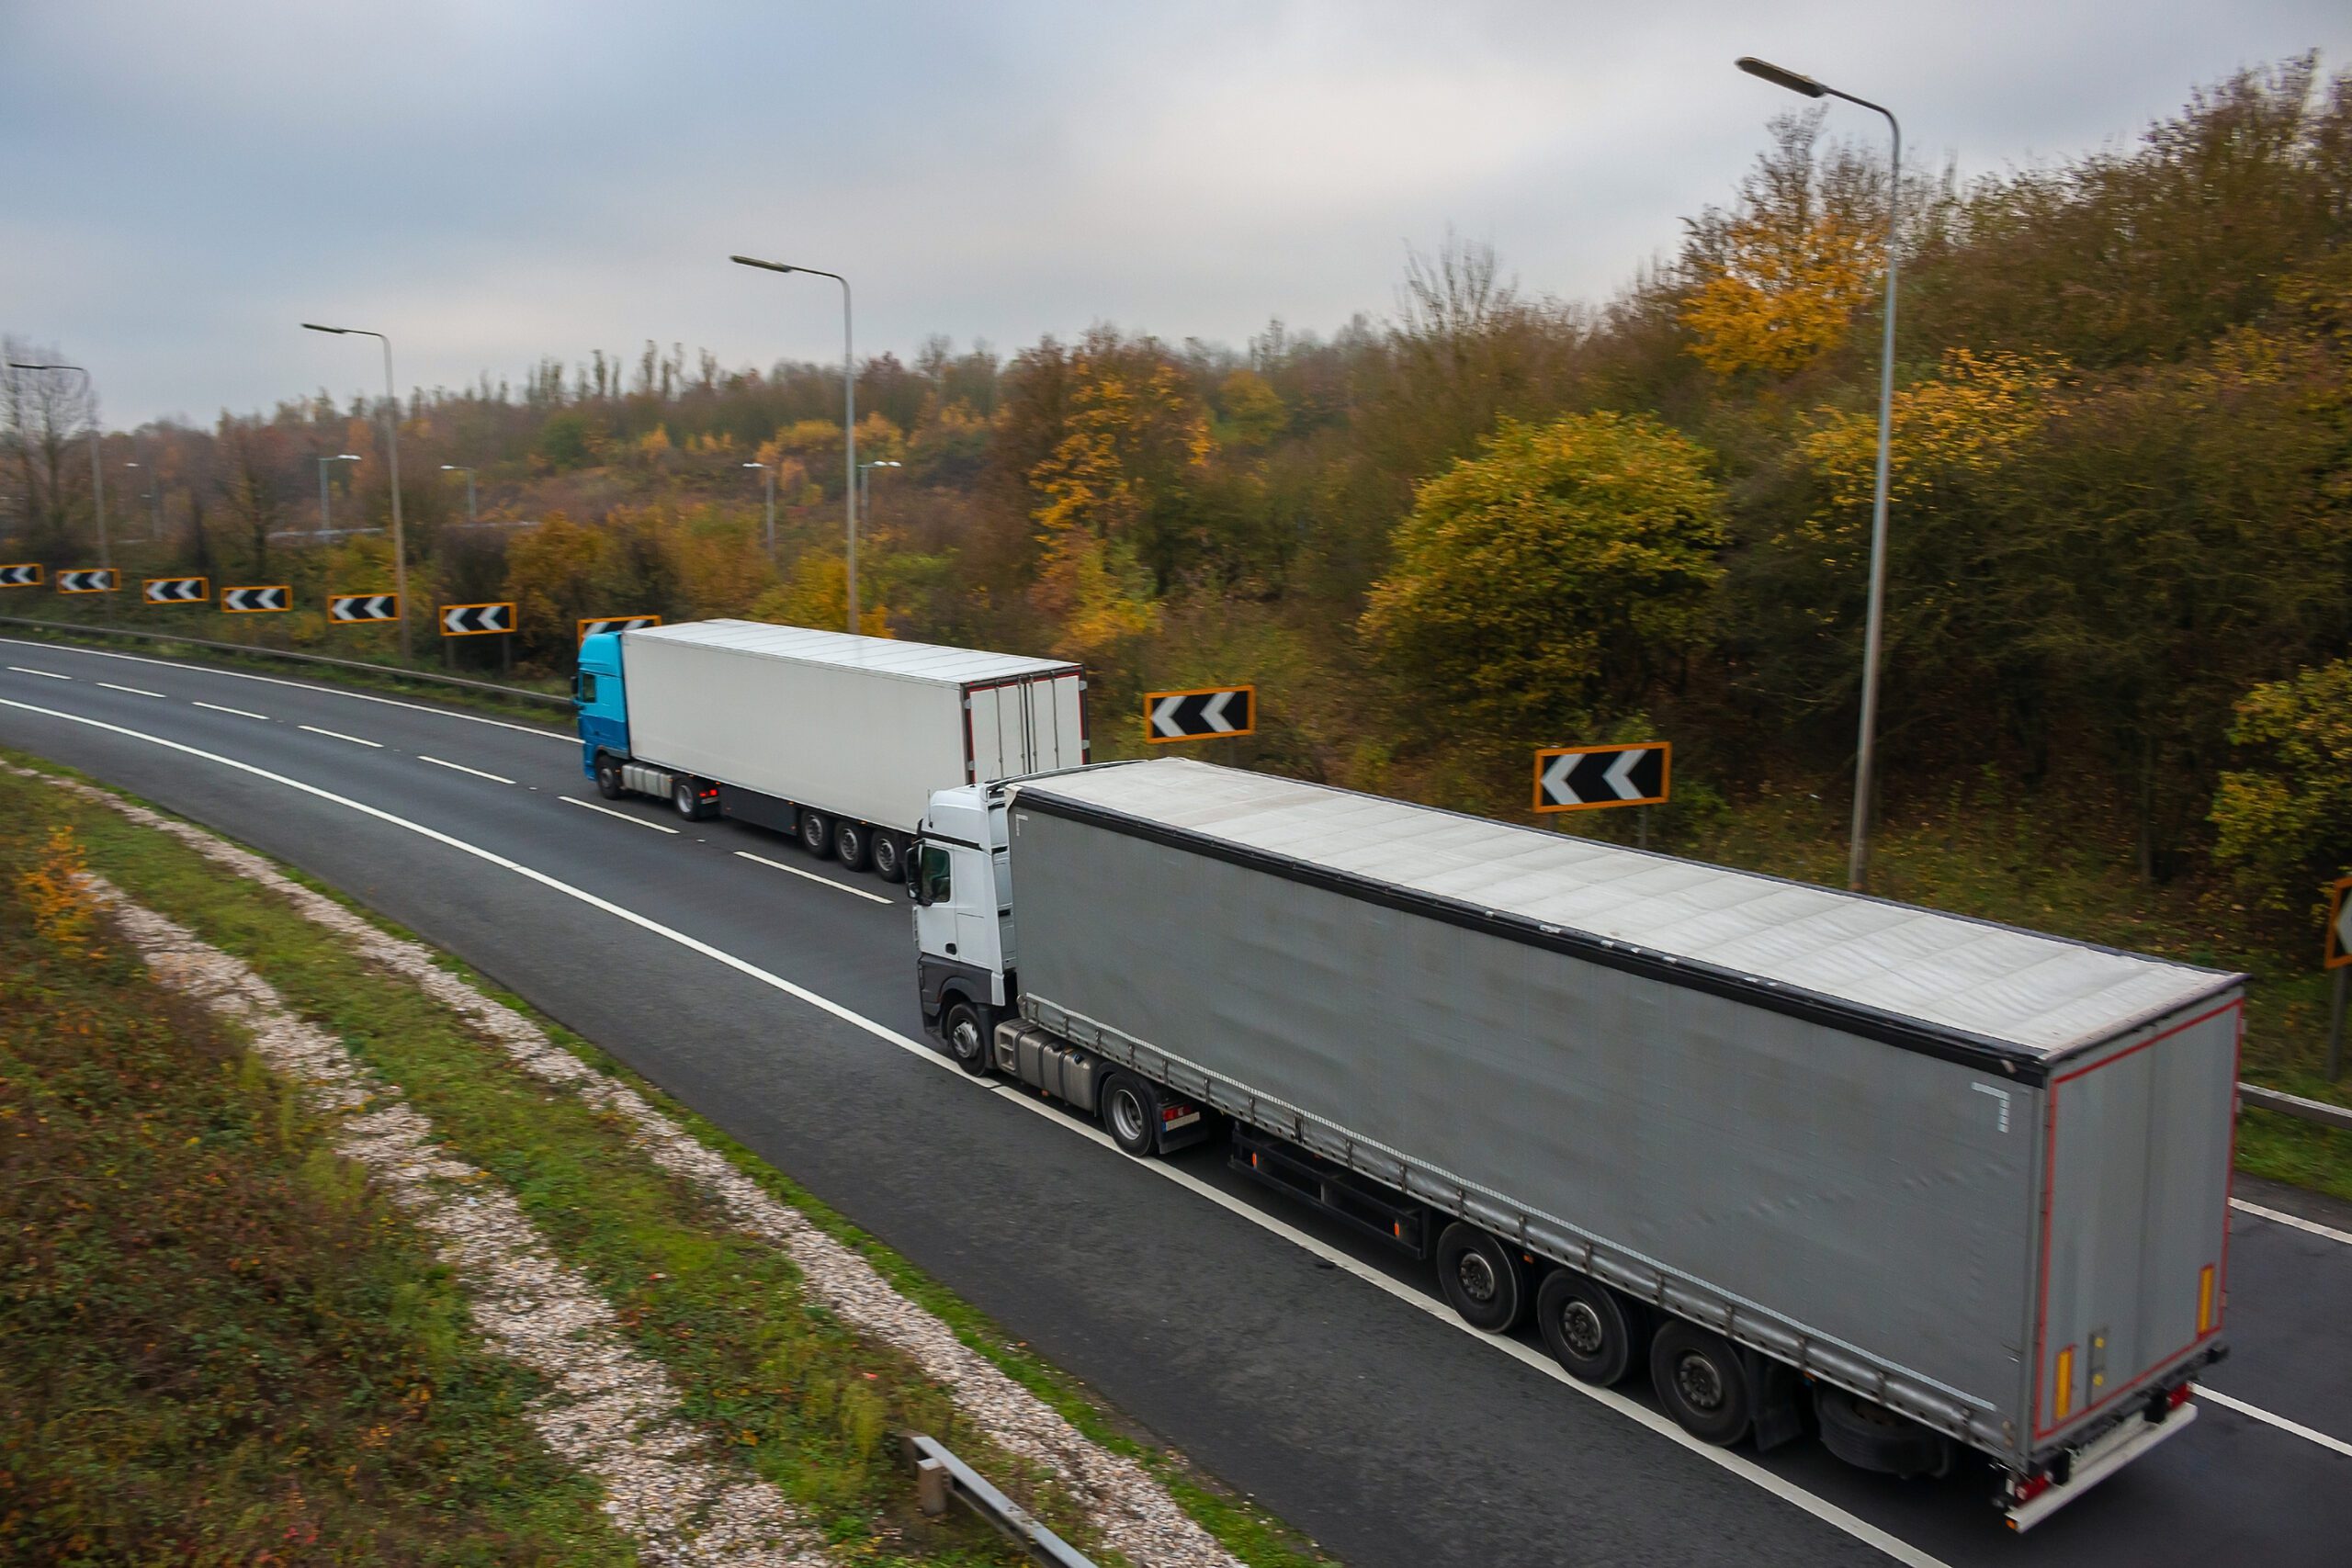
x: 769, y: 266
x: 1779, y: 77
x: 314, y: 327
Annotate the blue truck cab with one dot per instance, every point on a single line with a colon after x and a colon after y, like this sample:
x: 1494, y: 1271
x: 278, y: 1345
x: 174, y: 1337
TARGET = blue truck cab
x: 600, y: 700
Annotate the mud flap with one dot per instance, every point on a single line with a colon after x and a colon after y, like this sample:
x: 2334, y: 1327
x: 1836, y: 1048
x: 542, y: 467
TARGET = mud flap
x: 1773, y: 1393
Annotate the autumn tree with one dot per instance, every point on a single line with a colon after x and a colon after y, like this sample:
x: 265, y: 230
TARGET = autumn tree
x: 1551, y: 581
x: 2285, y: 813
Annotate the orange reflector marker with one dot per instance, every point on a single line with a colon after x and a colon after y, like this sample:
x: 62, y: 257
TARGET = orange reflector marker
x: 2205, y: 1301
x: 2066, y: 1388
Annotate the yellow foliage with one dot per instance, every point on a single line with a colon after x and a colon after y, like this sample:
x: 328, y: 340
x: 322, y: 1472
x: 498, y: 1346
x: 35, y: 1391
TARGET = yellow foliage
x: 1965, y: 421
x: 809, y: 435
x: 815, y: 592
x: 1780, y: 291
x: 654, y: 444
x: 54, y: 896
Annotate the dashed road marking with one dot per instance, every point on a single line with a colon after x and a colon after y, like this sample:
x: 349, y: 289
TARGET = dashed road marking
x: 241, y: 712
x: 617, y: 816
x: 2297, y: 1428
x: 134, y: 691
x: 461, y: 768
x: 339, y: 735
x: 45, y: 674
x: 796, y: 871
x: 2300, y: 1224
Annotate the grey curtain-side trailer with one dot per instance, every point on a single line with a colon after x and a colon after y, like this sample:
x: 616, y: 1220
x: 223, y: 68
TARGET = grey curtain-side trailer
x: 838, y: 741
x: 1961, y: 1184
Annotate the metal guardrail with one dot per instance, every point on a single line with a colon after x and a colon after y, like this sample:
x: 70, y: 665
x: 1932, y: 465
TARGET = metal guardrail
x: 394, y: 670
x: 2296, y: 1105
x: 940, y: 1476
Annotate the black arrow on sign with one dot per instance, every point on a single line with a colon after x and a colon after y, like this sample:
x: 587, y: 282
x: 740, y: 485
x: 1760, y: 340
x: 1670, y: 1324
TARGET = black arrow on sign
x: 175, y: 590
x: 1578, y: 777
x: 24, y: 574
x: 244, y: 601
x: 1199, y: 716
x: 363, y: 607
x: 87, y: 580
x: 470, y: 620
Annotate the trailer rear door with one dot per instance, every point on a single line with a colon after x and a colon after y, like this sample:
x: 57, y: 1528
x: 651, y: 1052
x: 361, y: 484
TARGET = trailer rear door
x: 2135, y: 1222
x: 1029, y: 725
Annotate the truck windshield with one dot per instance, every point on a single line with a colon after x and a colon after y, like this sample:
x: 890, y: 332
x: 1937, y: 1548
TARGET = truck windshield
x: 934, y: 875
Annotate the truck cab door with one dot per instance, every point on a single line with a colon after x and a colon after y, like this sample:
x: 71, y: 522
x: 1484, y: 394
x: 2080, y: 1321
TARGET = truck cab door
x: 955, y: 913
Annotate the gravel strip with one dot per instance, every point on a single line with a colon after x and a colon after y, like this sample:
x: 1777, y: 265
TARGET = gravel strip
x: 1133, y: 1512
x: 609, y: 1409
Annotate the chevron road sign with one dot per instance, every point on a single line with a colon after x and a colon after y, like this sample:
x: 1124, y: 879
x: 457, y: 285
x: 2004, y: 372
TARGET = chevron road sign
x: 1212, y: 713
x: 591, y: 624
x: 88, y: 580
x: 477, y: 620
x: 254, y: 600
x: 175, y: 590
x: 2339, y: 922
x: 1586, y: 778
x: 356, y: 609
x: 23, y: 574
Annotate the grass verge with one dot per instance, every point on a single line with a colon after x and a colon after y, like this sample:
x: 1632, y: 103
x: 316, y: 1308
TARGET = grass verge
x: 216, y: 1344
x: 800, y: 1400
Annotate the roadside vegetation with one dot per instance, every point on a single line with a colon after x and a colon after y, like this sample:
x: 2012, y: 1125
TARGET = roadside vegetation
x: 780, y: 1384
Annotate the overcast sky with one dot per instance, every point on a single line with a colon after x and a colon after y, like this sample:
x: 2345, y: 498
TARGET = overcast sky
x: 492, y: 182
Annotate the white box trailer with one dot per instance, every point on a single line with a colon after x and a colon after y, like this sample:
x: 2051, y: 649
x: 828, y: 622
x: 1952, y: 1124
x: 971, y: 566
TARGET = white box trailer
x: 1971, y: 1182
x: 837, y: 739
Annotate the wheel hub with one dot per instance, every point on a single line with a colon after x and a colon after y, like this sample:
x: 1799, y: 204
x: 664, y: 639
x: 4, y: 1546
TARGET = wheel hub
x: 1477, y: 1276
x: 1580, y: 1327
x: 1128, y: 1112
x: 1696, y: 1379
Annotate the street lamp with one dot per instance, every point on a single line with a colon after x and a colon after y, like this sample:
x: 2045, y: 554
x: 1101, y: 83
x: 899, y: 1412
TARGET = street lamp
x: 97, y: 476
x: 865, y: 473
x: 1858, y: 853
x: 455, y: 469
x: 326, y: 518
x: 770, y: 474
x: 849, y: 412
x: 155, y: 494
x: 392, y: 419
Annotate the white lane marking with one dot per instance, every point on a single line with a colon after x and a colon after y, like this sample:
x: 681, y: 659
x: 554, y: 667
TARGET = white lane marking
x: 339, y: 735
x: 2297, y: 1428
x: 461, y: 768
x: 241, y: 712
x: 44, y: 674
x: 298, y: 685
x: 2300, y: 1224
x: 796, y: 871
x: 1745, y: 1469
x: 134, y: 691
x: 591, y: 805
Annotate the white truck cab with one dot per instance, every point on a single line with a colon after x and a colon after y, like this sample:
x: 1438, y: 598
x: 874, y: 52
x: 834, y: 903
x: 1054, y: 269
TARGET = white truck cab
x: 964, y: 920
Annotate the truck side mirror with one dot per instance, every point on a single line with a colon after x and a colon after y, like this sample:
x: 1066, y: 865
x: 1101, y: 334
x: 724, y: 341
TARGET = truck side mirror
x: 917, y: 883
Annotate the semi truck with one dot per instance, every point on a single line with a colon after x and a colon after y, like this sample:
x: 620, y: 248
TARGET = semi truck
x: 836, y: 740
x: 1929, y: 1184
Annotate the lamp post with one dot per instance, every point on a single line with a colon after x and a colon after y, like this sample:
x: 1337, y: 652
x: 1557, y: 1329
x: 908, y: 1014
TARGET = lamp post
x: 849, y: 413
x: 97, y: 472
x: 1858, y: 853
x: 866, y: 477
x: 326, y: 515
x: 456, y: 468
x: 392, y: 420
x: 770, y: 469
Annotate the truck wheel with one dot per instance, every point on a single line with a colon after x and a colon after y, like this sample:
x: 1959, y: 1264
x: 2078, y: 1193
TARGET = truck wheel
x: 1867, y: 1434
x: 967, y: 1027
x: 608, y: 779
x: 1481, y: 1277
x: 816, y: 833
x: 1698, y: 1379
x: 890, y: 854
x: 1589, y: 1329
x: 1131, y: 1114
x: 684, y: 796
x: 852, y: 843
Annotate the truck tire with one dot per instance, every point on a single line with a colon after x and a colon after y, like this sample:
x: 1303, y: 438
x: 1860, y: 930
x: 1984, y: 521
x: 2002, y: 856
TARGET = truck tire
x: 966, y: 1027
x: 816, y: 834
x: 889, y: 854
x: 1482, y: 1278
x: 1868, y: 1435
x: 853, y: 841
x: 1698, y: 1377
x: 1590, y: 1329
x: 683, y: 795
x: 608, y: 779
x: 1130, y: 1111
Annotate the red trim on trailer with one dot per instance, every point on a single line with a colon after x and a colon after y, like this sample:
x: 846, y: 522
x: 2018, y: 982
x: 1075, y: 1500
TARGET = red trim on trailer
x: 2049, y: 1193
x: 1085, y: 733
x: 971, y: 769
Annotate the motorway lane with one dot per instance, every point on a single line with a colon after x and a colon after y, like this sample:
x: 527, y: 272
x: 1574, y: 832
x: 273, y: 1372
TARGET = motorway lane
x: 1386, y: 1433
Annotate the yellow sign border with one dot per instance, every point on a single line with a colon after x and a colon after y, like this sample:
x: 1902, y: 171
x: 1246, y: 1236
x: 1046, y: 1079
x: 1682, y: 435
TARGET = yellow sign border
x: 587, y: 621
x: 441, y: 618
x: 1151, y: 697
x: 392, y: 620
x: 229, y: 609
x: 147, y: 582
x: 2331, y: 955
x: 41, y: 578
x: 1665, y: 773
x: 114, y: 582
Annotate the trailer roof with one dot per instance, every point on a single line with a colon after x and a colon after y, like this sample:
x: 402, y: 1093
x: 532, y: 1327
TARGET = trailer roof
x: 2017, y: 991
x: 881, y: 655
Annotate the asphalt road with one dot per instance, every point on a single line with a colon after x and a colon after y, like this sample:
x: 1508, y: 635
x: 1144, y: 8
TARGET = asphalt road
x: 1314, y: 1373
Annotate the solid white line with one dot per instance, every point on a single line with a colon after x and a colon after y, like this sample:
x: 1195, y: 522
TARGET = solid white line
x: 2297, y: 1428
x: 460, y: 767
x: 568, y: 739
x: 45, y: 674
x: 796, y: 871
x: 618, y: 816
x: 2300, y: 1224
x: 339, y: 735
x: 134, y: 691
x: 241, y: 712
x: 1737, y: 1464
